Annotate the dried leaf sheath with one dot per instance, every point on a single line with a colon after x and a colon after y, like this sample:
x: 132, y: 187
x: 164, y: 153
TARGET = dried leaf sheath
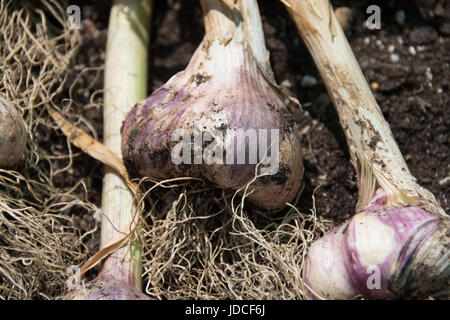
x: 98, y: 151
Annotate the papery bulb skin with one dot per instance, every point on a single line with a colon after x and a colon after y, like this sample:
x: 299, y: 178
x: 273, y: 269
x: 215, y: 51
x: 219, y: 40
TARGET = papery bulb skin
x: 220, y: 93
x: 383, y: 252
x: 106, y: 287
x: 13, y: 136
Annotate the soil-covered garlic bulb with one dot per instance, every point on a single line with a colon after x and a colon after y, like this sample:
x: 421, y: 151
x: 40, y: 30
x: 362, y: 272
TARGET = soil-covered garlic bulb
x: 207, y: 118
x: 13, y: 136
x: 383, y: 252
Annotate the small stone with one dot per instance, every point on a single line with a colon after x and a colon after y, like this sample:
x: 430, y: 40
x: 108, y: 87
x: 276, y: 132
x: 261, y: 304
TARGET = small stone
x: 428, y: 74
x: 391, y: 48
x: 366, y: 40
x: 444, y: 181
x: 374, y: 86
x: 400, y: 17
x: 379, y: 44
x: 286, y: 83
x: 309, y: 81
x: 412, y: 50
x: 394, y: 58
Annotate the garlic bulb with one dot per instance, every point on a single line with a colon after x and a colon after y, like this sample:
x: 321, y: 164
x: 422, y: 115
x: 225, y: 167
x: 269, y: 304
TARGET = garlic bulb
x: 106, y: 287
x: 13, y: 136
x: 218, y: 119
x: 383, y: 252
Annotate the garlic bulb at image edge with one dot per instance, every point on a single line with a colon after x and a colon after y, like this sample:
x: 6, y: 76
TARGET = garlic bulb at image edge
x: 383, y: 252
x: 13, y: 136
x: 397, y: 244
x: 220, y: 109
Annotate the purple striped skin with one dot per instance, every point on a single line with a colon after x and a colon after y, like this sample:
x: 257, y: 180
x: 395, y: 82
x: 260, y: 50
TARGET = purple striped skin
x: 221, y: 89
x: 106, y: 288
x: 342, y: 264
x: 408, y: 218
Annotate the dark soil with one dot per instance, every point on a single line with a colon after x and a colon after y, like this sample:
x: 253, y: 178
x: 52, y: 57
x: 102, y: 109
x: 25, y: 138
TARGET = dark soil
x: 406, y: 64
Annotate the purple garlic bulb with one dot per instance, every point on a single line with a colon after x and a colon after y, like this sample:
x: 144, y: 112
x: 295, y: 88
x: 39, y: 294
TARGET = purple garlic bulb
x: 13, y: 136
x: 106, y: 287
x: 383, y: 252
x: 220, y: 120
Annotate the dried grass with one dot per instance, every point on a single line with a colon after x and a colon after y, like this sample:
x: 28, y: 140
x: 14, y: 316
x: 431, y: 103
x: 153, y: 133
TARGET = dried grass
x: 38, y: 236
x: 201, y: 243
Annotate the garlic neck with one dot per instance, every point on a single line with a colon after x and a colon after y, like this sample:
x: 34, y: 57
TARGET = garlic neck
x: 222, y: 22
x: 241, y: 23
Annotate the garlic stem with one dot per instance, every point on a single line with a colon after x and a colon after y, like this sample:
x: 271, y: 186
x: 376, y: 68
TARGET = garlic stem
x: 255, y: 35
x: 374, y: 152
x: 240, y: 23
x: 125, y: 83
x: 221, y: 21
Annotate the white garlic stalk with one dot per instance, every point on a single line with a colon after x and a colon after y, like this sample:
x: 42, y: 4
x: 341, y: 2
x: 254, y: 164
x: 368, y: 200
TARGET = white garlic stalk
x: 397, y: 246
x: 125, y: 84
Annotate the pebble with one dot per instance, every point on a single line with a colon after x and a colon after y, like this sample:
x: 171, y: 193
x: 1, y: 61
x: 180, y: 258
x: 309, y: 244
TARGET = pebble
x: 412, y: 50
x: 400, y: 17
x: 380, y: 44
x: 428, y: 74
x: 374, y: 86
x: 309, y: 81
x: 391, y: 48
x: 366, y: 40
x: 286, y: 83
x: 444, y: 181
x: 394, y: 57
